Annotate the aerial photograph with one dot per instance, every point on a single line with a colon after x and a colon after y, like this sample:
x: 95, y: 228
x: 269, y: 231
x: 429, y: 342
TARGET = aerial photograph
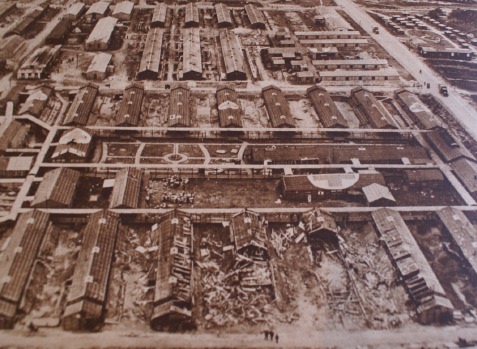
x: 235, y: 174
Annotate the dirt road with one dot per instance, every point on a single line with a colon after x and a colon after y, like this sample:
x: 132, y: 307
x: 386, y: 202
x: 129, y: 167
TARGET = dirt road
x: 292, y: 338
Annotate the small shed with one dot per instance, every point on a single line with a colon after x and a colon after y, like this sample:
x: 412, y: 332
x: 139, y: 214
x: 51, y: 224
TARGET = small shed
x: 378, y: 195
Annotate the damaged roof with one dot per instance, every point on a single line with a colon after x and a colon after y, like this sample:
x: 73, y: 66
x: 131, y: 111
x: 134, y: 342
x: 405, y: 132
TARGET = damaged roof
x: 228, y: 105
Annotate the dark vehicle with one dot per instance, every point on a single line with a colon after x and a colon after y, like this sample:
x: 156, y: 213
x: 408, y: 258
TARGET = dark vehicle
x: 443, y: 90
x: 375, y: 30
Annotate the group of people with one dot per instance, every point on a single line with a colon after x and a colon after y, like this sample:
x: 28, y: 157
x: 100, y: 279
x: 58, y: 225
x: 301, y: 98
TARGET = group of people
x: 271, y: 335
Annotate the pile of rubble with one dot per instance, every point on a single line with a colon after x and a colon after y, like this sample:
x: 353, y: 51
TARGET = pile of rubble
x: 241, y: 295
x: 237, y: 284
x: 168, y: 188
x: 175, y: 181
x: 182, y: 197
x: 281, y: 240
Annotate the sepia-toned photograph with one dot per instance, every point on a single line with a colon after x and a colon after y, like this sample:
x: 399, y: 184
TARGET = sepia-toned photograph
x: 228, y: 174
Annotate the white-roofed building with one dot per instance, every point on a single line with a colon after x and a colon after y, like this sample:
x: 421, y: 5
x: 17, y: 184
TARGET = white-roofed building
x: 101, y: 35
x: 74, y: 12
x: 123, y: 10
x: 97, y: 10
x: 98, y: 68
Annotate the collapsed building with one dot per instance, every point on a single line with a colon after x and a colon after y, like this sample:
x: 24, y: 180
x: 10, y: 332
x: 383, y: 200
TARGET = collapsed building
x: 57, y: 189
x: 172, y: 306
x: 228, y: 105
x: 86, y: 299
x: 151, y: 58
x: 232, y: 56
x: 325, y: 108
x: 130, y: 108
x: 17, y: 262
x: 425, y: 290
x: 277, y: 107
x: 80, y: 110
x: 191, y: 56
